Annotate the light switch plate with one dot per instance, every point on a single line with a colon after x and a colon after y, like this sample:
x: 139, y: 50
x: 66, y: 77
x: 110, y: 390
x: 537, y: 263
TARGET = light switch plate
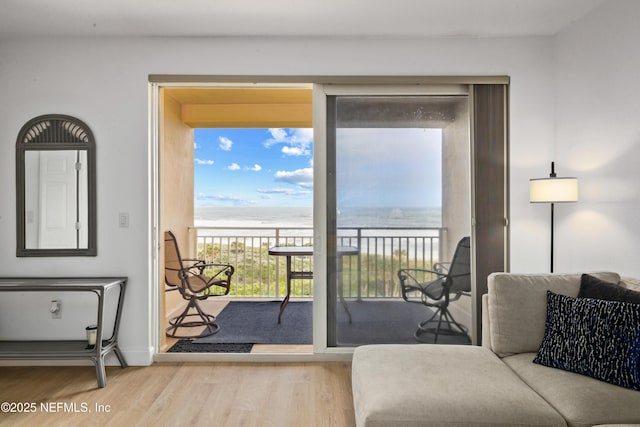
x: 123, y: 219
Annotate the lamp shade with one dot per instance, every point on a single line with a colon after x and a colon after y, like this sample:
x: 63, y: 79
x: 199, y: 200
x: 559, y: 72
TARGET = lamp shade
x: 553, y: 190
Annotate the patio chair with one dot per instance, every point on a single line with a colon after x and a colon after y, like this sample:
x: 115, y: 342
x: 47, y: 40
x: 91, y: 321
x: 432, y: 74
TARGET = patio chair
x: 196, y: 281
x: 436, y: 289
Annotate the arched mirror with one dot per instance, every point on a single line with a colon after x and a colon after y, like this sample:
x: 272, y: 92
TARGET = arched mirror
x: 55, y: 188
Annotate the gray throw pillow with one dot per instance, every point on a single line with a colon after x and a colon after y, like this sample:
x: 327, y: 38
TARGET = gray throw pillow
x: 592, y: 287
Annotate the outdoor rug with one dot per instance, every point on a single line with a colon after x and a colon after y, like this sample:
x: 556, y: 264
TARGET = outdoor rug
x: 257, y: 323
x: 373, y: 322
x: 188, y: 346
x: 385, y: 322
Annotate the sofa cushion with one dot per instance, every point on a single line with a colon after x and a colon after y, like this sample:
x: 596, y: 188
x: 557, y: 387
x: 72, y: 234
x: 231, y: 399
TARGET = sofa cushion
x: 592, y: 287
x: 630, y: 283
x: 593, y: 337
x: 518, y: 307
x: 581, y: 400
x: 441, y: 385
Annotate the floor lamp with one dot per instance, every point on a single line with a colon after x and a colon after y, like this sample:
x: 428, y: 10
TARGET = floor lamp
x: 553, y: 190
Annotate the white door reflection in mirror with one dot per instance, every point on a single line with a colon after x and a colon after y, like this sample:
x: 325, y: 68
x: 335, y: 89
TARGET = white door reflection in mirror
x: 56, y: 199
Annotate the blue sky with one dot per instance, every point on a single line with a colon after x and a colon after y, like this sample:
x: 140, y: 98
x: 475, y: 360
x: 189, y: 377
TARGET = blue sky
x: 274, y: 167
x: 253, y: 167
x: 389, y: 167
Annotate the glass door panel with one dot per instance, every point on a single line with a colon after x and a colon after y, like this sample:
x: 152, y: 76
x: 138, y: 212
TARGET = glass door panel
x: 398, y: 167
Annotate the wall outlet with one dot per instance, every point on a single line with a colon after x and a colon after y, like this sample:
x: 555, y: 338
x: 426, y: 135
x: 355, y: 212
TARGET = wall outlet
x: 56, y: 309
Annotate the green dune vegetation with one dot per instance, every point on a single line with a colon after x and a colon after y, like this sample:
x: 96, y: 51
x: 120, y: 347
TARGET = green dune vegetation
x: 257, y: 274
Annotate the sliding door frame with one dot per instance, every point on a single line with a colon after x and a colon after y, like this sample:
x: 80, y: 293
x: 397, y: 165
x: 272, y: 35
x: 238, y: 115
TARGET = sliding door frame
x: 399, y: 85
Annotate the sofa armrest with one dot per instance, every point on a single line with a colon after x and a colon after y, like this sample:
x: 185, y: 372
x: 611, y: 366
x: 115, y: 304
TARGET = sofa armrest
x: 630, y: 283
x: 486, y: 331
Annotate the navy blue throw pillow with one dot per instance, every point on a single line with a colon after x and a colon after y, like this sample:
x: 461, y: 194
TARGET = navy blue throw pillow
x: 592, y: 287
x: 592, y: 337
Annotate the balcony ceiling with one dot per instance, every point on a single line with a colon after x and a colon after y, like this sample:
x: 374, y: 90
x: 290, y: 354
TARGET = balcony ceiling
x: 243, y: 107
x: 287, y: 18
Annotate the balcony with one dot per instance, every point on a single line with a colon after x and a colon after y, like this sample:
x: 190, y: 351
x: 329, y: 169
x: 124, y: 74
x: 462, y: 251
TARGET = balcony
x: 369, y: 281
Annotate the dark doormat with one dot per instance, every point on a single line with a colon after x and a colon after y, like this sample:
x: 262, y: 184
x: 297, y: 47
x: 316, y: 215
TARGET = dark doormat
x: 188, y: 346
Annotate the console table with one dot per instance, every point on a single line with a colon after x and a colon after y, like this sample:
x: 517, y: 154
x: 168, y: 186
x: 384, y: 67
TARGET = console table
x: 69, y: 349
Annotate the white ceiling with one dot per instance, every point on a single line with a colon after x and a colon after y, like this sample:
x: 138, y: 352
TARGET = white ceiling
x: 274, y: 18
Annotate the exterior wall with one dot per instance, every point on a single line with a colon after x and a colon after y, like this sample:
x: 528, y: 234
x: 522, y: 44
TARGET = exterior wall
x: 176, y: 204
x: 176, y: 174
x: 456, y: 180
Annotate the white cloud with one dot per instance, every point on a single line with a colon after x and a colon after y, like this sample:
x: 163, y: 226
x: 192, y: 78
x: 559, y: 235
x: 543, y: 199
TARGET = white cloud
x: 225, y: 143
x: 287, y: 191
x: 294, y: 151
x: 278, y: 134
x: 195, y: 145
x: 203, y: 161
x: 300, y: 177
x: 255, y: 168
x: 233, y: 167
x: 302, y: 136
x: 233, y: 200
x: 297, y: 142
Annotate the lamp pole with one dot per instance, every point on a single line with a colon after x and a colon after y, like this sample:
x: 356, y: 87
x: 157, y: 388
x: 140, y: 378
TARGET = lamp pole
x: 552, y: 237
x: 552, y: 175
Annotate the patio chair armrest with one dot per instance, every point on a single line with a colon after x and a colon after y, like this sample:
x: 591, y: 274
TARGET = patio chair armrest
x: 223, y: 268
x: 215, y: 280
x: 440, y: 266
x: 410, y: 283
x: 405, y: 273
x: 192, y: 262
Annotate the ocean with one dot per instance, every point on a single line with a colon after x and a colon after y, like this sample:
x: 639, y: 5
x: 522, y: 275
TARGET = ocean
x: 378, y: 225
x: 227, y: 216
x: 283, y: 217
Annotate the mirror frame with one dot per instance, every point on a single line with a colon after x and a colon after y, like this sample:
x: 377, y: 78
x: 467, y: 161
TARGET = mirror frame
x: 55, y: 132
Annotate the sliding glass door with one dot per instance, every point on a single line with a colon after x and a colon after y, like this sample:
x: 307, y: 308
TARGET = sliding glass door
x: 403, y: 169
x: 398, y: 198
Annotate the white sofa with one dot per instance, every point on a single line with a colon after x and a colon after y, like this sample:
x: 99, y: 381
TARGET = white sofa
x: 493, y: 385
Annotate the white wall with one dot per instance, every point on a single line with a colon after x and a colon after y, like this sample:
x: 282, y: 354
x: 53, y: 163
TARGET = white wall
x: 103, y: 82
x: 598, y: 139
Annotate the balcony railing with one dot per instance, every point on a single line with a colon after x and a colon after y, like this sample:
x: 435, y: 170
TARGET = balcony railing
x: 370, y: 274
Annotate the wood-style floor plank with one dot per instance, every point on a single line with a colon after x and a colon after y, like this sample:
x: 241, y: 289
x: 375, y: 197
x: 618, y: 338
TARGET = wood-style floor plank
x: 177, y: 394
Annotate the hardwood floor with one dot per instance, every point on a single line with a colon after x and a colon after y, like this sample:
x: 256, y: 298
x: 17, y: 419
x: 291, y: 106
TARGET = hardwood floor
x: 177, y: 394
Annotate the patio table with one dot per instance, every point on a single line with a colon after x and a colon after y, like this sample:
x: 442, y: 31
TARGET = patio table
x: 291, y: 251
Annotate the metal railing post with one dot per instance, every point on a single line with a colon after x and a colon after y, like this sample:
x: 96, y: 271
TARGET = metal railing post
x: 277, y: 290
x: 359, y: 259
